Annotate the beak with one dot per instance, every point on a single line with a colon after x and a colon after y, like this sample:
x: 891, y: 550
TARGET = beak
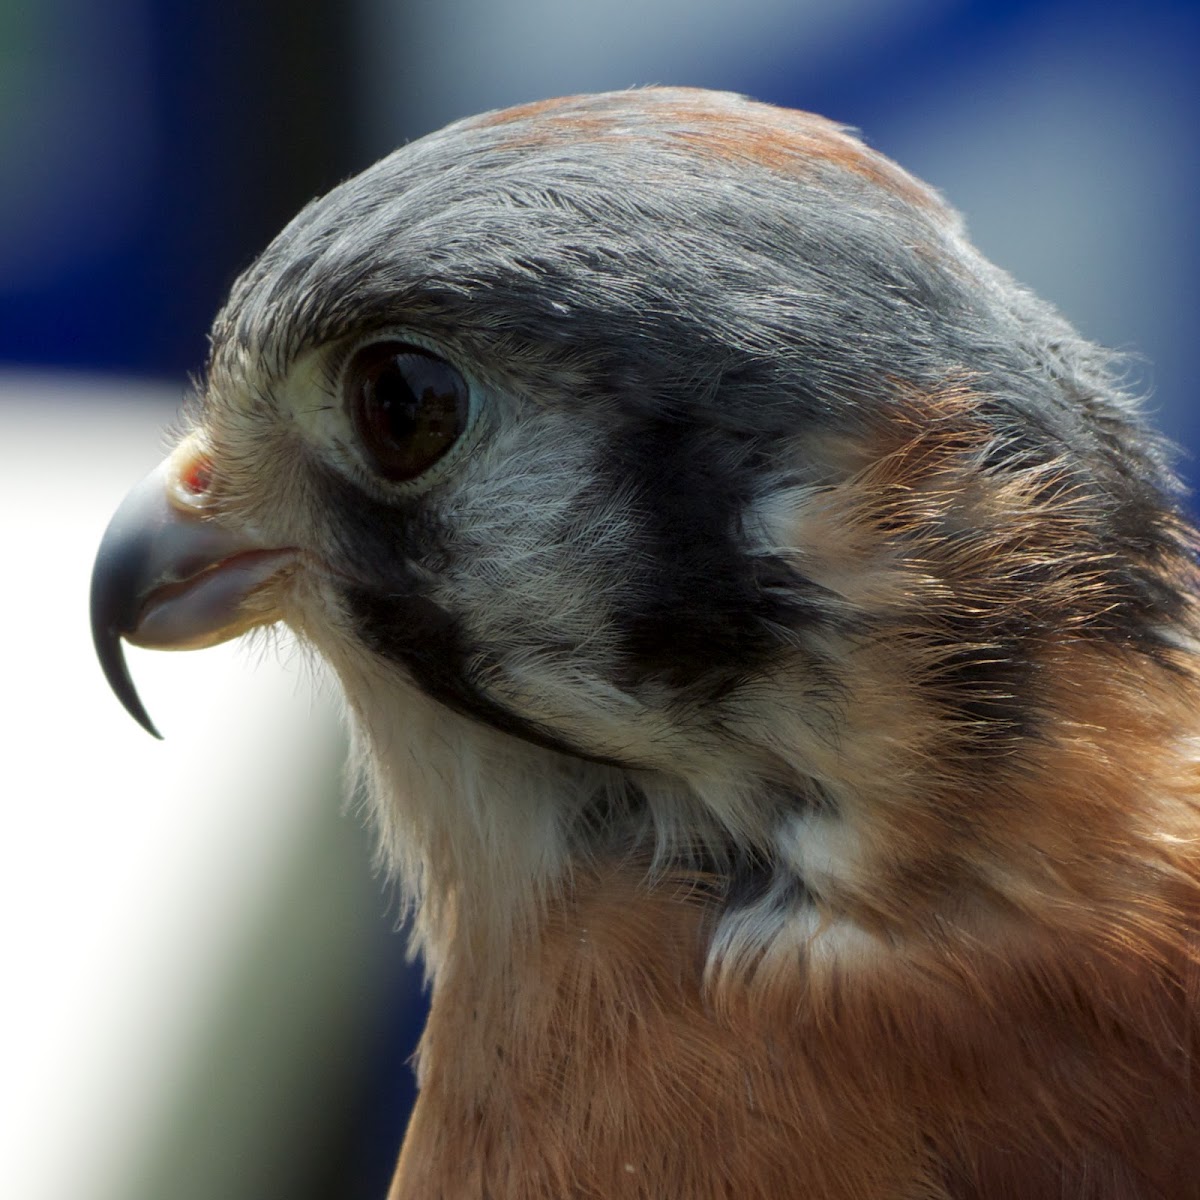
x: 169, y: 575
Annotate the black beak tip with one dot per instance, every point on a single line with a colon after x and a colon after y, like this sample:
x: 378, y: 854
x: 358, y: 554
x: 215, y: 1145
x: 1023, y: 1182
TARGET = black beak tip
x: 111, y: 654
x: 106, y: 637
x: 117, y: 673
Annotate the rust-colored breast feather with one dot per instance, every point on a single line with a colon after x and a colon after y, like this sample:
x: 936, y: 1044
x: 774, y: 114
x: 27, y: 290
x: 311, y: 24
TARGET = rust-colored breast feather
x: 1055, y: 1065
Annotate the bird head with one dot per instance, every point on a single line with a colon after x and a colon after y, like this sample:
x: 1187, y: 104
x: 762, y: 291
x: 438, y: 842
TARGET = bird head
x: 666, y: 479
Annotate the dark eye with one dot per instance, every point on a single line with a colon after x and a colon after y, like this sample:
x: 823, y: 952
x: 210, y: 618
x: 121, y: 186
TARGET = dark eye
x: 408, y: 406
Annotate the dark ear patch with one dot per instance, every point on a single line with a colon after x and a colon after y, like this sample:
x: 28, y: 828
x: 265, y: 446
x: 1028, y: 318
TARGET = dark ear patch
x: 701, y: 609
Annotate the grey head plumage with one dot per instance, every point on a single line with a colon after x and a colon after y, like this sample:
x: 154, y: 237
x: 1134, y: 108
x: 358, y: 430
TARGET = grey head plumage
x: 750, y: 480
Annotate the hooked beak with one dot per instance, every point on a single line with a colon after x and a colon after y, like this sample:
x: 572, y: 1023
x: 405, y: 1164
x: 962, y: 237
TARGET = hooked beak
x: 169, y: 575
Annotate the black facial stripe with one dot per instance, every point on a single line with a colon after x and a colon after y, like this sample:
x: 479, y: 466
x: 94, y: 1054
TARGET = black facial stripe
x: 377, y: 540
x: 428, y: 642
x: 701, y: 609
x: 382, y: 540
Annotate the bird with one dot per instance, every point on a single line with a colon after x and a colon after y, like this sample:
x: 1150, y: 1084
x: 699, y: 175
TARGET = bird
x: 768, y: 638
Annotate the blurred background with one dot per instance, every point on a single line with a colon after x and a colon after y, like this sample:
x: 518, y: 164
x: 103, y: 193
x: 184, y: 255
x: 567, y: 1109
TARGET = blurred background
x: 205, y: 994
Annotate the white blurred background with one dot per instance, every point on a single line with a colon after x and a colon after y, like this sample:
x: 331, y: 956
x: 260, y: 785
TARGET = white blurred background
x: 194, y: 962
x: 203, y: 995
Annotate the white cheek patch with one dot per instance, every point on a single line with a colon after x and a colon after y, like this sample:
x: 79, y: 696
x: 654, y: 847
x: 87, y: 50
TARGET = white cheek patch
x: 538, y: 560
x: 470, y: 819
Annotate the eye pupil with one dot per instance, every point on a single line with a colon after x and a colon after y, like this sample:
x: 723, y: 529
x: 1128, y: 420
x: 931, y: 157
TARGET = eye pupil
x: 408, y: 406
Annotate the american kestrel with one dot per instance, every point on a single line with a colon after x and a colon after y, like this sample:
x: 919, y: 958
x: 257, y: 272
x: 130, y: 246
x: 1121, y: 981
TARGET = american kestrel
x: 769, y: 638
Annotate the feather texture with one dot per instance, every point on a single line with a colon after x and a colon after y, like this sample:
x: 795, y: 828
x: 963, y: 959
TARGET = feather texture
x: 781, y: 708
